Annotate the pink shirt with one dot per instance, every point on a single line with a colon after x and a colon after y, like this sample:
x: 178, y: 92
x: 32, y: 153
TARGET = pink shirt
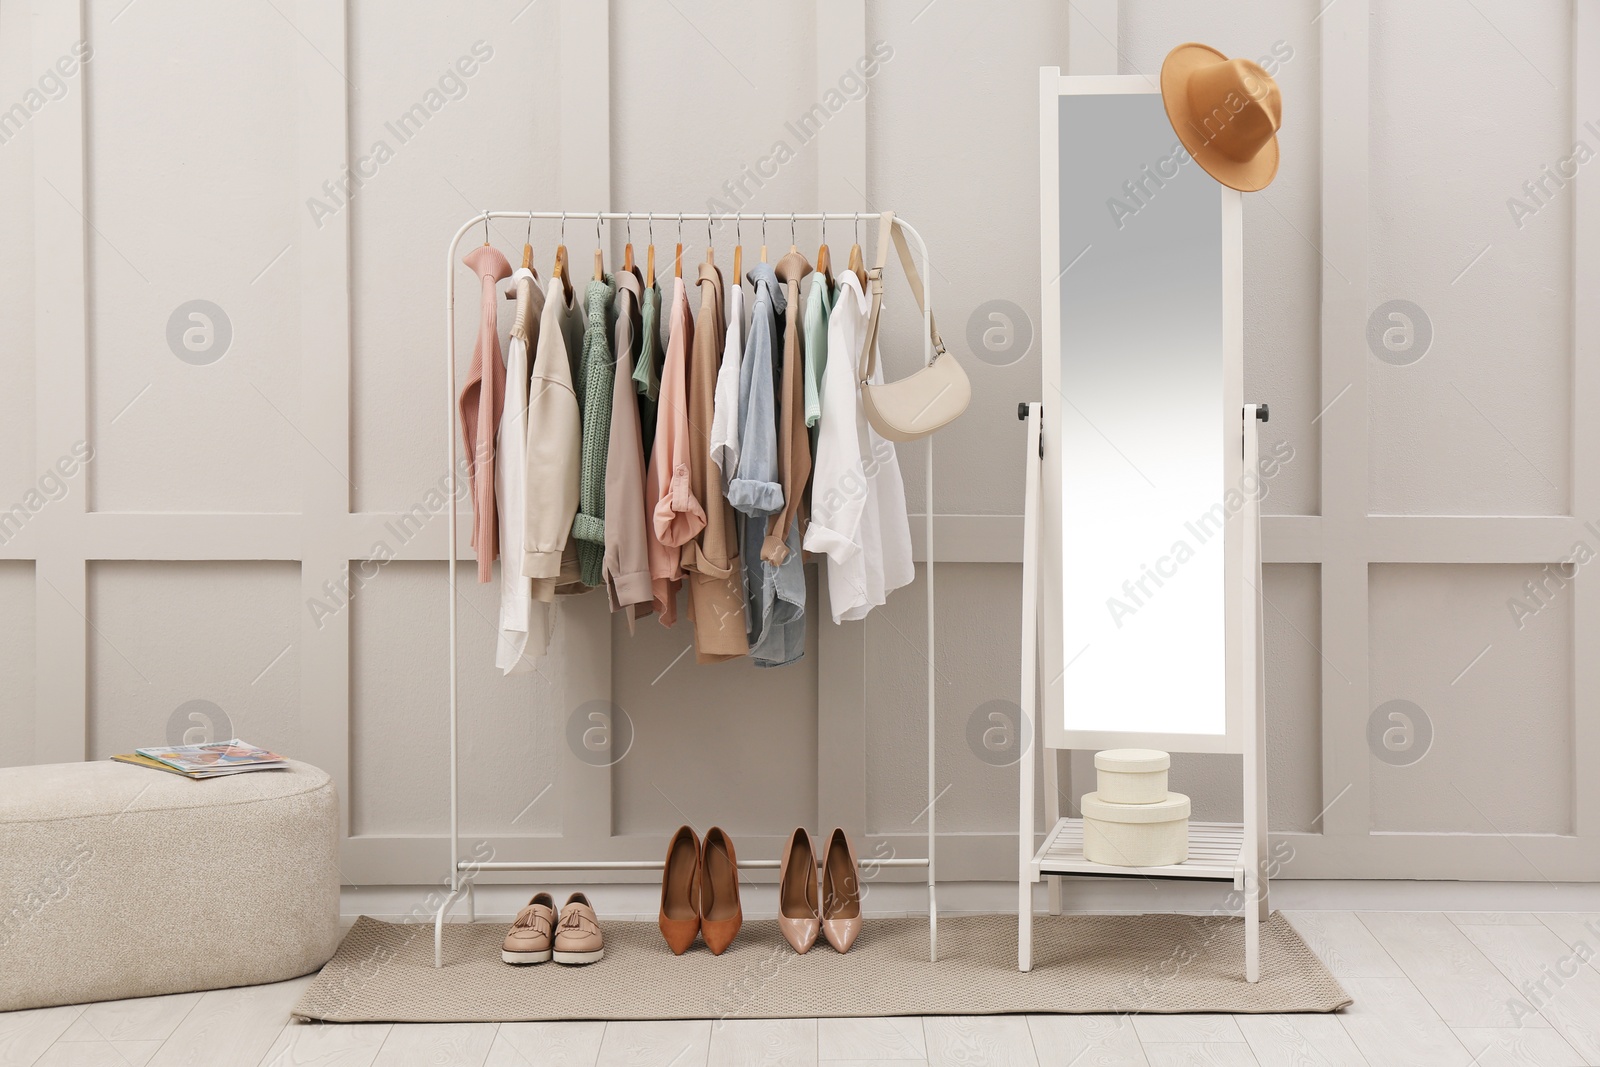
x: 676, y: 516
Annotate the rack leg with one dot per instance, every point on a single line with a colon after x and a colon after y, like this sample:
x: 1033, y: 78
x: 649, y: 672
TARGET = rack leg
x: 1255, y: 848
x: 438, y: 921
x: 933, y: 923
x: 1028, y: 696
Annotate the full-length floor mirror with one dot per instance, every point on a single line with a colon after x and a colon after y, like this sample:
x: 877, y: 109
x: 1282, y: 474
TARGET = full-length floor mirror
x: 1141, y: 556
x: 1142, y: 346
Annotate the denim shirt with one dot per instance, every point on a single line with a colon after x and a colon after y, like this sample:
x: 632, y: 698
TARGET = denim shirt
x: 775, y: 595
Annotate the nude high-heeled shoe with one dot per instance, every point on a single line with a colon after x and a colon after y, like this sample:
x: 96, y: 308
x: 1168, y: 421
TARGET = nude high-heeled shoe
x: 680, y: 891
x: 798, y: 915
x: 720, y: 913
x: 841, y: 892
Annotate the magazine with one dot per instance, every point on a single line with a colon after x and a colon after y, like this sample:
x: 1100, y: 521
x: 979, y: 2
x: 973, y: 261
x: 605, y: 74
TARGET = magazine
x: 137, y: 760
x: 207, y: 761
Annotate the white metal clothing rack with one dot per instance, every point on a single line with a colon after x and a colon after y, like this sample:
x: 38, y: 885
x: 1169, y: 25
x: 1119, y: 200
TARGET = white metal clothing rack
x: 463, y: 870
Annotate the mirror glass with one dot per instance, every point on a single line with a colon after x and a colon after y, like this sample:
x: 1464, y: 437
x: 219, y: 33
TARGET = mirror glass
x: 1142, y: 369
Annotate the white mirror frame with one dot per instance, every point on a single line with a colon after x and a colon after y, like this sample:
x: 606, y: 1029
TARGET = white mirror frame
x: 1053, y: 86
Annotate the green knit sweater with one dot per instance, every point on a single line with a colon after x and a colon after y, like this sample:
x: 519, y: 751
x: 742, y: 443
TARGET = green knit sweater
x: 595, y: 370
x: 646, y: 372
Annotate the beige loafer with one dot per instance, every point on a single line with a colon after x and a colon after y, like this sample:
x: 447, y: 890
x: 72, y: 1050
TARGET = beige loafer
x: 578, y: 939
x: 529, y: 939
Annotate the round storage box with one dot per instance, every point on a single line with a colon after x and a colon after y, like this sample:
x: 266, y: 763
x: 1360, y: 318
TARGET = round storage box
x: 1131, y: 775
x: 1136, y: 835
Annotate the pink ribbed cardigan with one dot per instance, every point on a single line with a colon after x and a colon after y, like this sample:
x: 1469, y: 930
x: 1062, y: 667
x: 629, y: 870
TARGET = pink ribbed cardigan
x: 483, y: 399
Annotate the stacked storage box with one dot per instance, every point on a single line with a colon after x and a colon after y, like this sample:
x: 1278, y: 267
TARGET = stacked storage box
x: 1131, y: 820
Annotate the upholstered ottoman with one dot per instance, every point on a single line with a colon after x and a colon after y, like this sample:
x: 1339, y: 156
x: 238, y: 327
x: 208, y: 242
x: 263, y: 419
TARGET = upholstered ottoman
x: 120, y: 881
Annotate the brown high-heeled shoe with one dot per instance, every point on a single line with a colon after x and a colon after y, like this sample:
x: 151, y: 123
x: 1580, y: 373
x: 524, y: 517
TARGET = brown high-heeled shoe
x: 680, y: 891
x: 798, y: 915
x: 841, y: 892
x: 720, y: 913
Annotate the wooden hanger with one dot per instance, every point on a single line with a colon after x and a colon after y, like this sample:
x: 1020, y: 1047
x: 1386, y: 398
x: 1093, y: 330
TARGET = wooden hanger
x: 599, y: 258
x: 627, y: 249
x: 711, y: 252
x: 856, y: 264
x: 558, y: 269
x: 792, y: 246
x: 824, y: 259
x: 650, y: 256
x: 763, y: 237
x: 527, y: 256
x: 677, y: 257
x: 738, y: 253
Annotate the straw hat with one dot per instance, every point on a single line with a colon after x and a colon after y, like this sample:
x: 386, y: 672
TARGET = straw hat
x: 1226, y: 112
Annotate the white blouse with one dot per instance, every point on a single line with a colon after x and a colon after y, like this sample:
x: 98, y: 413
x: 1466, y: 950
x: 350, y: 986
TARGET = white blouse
x: 520, y: 615
x: 725, y: 403
x: 858, y: 500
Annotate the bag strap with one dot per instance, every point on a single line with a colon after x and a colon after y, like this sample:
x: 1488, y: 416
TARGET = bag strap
x: 869, y: 349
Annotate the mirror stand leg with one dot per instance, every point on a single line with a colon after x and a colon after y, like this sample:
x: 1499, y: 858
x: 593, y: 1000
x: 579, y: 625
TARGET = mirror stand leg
x: 1252, y: 932
x: 1052, y: 815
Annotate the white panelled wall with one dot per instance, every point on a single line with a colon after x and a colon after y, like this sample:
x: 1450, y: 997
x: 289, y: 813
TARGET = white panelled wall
x: 224, y: 517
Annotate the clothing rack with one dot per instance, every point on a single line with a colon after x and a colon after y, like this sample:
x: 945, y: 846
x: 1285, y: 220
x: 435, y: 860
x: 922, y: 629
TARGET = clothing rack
x: 462, y: 870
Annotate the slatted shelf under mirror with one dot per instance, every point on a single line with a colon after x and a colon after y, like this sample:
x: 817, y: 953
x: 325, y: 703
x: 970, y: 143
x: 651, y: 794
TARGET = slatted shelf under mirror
x: 1214, y: 850
x: 1141, y: 613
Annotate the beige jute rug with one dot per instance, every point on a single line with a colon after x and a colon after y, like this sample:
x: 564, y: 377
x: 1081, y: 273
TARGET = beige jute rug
x: 383, y: 972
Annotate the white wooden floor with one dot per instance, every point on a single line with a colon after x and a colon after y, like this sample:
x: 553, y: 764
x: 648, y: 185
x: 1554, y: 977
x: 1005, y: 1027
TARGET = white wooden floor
x: 1430, y: 988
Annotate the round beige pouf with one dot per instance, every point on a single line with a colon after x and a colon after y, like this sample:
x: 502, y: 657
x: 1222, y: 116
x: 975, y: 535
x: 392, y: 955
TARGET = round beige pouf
x: 120, y: 881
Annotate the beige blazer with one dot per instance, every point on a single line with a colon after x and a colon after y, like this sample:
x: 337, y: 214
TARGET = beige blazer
x: 555, y: 438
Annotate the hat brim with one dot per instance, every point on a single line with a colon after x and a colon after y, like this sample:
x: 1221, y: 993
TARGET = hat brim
x: 1249, y: 176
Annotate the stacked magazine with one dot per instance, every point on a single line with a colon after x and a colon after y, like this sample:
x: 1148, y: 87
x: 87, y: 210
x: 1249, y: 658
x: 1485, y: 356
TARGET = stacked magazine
x: 206, y: 761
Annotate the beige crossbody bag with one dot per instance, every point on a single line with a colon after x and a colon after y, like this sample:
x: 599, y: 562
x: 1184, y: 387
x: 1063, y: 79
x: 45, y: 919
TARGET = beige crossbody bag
x: 931, y: 398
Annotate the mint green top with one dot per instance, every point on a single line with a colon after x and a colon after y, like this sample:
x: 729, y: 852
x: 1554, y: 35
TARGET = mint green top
x: 596, y: 368
x: 819, y: 305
